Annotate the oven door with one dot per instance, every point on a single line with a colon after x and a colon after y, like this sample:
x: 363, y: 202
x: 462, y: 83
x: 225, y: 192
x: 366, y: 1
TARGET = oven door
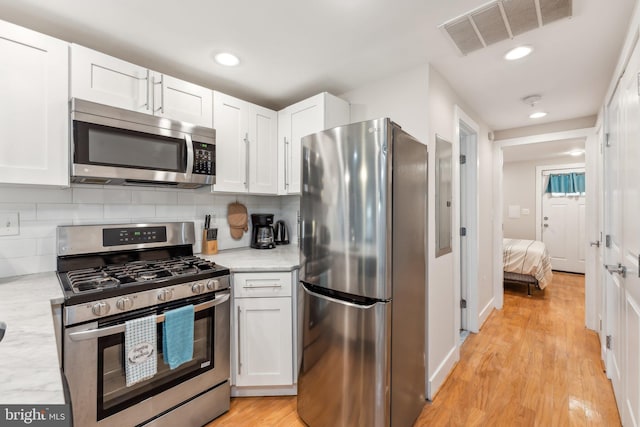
x: 94, y: 366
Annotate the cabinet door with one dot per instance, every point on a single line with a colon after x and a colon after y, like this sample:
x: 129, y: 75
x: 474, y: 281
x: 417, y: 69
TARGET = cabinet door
x: 263, y: 151
x: 315, y: 114
x: 107, y: 80
x: 306, y: 118
x: 263, y: 342
x: 34, y: 122
x: 232, y: 134
x: 180, y: 100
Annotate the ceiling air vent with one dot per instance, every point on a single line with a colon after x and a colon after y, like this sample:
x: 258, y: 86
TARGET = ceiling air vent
x: 501, y: 20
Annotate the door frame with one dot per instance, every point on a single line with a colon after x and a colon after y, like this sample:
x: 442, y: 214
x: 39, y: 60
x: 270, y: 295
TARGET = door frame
x: 498, y: 175
x: 466, y: 127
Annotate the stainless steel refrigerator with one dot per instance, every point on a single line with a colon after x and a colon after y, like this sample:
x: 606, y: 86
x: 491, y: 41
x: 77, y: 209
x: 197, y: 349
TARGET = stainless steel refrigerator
x: 363, y: 276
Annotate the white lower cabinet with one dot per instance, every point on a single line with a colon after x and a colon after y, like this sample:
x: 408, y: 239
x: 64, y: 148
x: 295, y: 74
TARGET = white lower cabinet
x: 262, y: 334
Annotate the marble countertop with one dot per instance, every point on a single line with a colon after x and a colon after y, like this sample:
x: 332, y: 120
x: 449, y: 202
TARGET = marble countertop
x: 282, y: 258
x: 29, y: 366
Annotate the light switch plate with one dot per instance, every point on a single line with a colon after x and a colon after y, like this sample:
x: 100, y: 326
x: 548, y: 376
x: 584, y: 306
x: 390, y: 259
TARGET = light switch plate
x: 9, y: 224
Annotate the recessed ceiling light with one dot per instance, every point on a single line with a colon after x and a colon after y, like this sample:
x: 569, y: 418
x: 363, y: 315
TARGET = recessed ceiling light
x: 227, y: 59
x: 518, y: 52
x: 537, y: 115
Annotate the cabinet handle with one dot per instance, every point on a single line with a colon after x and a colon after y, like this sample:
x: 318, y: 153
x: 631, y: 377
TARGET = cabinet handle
x: 148, y: 90
x: 161, y: 109
x: 246, y: 160
x: 286, y: 169
x: 239, y: 338
x: 276, y: 285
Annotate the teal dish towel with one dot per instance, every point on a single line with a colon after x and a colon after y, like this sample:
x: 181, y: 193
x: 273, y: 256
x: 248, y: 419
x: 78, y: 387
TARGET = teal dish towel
x: 177, y: 336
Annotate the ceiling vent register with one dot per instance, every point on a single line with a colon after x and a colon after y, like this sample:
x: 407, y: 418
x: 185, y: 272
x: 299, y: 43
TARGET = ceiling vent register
x: 501, y: 20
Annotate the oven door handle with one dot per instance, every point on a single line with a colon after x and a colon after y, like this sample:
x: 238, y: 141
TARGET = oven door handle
x: 117, y: 329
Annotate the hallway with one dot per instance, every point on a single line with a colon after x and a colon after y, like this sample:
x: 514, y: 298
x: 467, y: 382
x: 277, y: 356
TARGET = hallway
x: 532, y: 364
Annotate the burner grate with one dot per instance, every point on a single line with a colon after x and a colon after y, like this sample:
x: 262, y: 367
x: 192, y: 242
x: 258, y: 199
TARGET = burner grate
x: 131, y: 273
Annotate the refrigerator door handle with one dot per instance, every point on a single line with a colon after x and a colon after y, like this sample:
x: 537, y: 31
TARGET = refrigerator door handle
x: 338, y: 301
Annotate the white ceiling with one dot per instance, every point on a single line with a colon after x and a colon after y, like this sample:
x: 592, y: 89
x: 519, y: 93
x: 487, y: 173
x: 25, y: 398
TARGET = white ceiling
x: 544, y: 150
x: 291, y: 49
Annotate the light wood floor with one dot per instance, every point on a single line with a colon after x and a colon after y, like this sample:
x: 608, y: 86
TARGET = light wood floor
x: 532, y: 364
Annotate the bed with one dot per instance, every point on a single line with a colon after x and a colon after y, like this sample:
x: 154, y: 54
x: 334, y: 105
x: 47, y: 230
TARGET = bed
x: 526, y: 262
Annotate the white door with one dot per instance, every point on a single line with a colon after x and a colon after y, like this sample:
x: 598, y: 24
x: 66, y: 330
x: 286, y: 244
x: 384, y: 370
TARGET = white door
x: 179, y: 100
x: 232, y: 134
x: 614, y: 283
x: 629, y: 190
x: 263, y: 151
x: 107, y: 80
x: 34, y: 109
x: 264, y: 342
x: 563, y: 228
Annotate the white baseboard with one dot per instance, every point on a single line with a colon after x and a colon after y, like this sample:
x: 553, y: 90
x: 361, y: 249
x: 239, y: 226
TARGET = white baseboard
x: 486, y: 311
x: 290, y: 390
x: 440, y: 375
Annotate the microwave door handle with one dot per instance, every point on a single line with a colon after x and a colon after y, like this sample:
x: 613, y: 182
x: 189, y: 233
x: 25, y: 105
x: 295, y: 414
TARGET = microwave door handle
x: 118, y: 329
x: 189, y: 144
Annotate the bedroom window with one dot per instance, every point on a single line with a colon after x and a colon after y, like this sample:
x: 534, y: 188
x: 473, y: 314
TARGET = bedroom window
x: 566, y: 184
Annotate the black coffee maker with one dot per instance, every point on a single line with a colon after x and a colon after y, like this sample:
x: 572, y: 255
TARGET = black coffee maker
x: 262, y: 236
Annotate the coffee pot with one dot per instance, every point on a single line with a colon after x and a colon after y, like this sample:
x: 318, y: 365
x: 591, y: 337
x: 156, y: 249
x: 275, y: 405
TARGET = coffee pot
x: 262, y: 233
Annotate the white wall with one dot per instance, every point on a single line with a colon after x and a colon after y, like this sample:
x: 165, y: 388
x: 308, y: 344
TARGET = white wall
x: 519, y: 189
x: 403, y: 98
x: 422, y: 102
x: 444, y: 339
x: 41, y: 210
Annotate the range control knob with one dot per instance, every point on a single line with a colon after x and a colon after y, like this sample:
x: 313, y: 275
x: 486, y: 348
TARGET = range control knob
x: 100, y: 308
x: 213, y: 284
x: 124, y: 303
x: 165, y: 295
x: 198, y: 288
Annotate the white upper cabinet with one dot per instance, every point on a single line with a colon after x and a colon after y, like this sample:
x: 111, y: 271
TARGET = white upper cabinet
x: 104, y: 79
x: 180, y: 100
x: 107, y: 80
x: 246, y: 146
x: 34, y: 123
x: 320, y: 112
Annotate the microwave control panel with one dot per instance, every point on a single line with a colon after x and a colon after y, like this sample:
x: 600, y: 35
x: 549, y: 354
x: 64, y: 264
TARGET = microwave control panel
x: 204, y: 161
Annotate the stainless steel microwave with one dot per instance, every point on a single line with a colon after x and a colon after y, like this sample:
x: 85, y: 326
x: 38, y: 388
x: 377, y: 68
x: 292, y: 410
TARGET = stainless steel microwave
x: 121, y: 147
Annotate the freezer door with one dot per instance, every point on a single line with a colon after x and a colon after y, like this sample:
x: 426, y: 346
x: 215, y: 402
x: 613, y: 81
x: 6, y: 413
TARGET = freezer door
x: 345, y: 209
x: 344, y: 378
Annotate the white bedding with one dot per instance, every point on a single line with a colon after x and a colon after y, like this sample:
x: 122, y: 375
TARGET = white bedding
x: 528, y: 257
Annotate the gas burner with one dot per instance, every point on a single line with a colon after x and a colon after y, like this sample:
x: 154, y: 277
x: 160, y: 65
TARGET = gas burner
x: 147, y: 275
x: 90, y: 280
x: 179, y: 270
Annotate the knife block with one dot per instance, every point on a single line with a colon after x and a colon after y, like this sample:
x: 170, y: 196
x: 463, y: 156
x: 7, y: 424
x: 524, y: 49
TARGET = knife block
x: 209, y: 247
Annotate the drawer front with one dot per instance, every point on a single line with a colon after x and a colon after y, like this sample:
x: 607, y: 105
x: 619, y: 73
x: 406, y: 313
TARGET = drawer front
x: 267, y: 284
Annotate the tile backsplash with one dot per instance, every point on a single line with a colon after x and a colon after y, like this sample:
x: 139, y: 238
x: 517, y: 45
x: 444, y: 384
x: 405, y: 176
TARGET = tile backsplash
x: 41, y: 210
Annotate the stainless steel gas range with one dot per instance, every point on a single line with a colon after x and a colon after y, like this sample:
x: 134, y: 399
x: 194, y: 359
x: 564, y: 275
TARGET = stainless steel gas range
x: 114, y: 273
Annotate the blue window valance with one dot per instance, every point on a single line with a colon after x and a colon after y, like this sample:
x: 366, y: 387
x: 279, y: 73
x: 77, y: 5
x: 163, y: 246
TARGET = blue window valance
x: 566, y: 183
